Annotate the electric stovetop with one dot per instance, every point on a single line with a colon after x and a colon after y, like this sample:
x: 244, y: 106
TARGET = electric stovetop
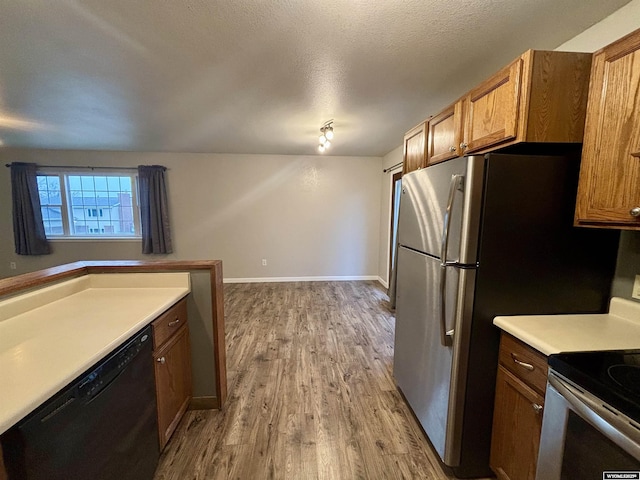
x: 612, y: 376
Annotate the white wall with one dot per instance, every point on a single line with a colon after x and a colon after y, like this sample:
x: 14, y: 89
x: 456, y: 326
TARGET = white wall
x: 309, y: 216
x: 621, y: 22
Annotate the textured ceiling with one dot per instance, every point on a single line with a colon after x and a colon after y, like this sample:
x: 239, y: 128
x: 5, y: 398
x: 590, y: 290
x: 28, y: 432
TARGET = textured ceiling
x: 261, y: 76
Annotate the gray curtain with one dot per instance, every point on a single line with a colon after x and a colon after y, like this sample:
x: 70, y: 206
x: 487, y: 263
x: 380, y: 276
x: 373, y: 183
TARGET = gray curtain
x: 154, y: 210
x: 28, y: 229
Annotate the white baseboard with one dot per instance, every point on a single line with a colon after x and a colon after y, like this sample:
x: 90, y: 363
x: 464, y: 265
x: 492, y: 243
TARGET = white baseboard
x: 300, y: 279
x: 382, y: 282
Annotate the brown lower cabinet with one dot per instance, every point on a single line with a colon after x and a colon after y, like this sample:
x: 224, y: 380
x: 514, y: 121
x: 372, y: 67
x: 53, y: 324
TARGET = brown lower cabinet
x: 172, y: 358
x: 517, y: 416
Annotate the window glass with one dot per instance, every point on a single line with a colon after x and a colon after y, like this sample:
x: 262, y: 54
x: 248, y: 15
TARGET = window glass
x: 50, y: 203
x: 88, y: 205
x: 101, y: 184
x: 86, y: 182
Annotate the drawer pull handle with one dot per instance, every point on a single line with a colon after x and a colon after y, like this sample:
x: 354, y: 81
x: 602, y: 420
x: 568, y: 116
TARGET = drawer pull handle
x: 161, y: 360
x: 452, y: 149
x: 537, y: 408
x: 526, y: 366
x: 634, y: 212
x: 174, y: 323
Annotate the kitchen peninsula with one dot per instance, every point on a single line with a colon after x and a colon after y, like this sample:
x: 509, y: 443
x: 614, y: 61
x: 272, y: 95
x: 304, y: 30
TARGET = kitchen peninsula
x: 72, y: 328
x: 122, y: 296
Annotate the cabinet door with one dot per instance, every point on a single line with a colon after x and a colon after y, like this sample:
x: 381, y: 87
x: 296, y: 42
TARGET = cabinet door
x: 414, y: 148
x: 173, y: 382
x: 492, y: 109
x: 445, y: 134
x: 609, y: 188
x: 517, y: 423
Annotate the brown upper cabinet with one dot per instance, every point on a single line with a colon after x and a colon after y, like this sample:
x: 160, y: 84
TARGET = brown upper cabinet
x: 492, y: 109
x: 414, y: 152
x: 445, y: 134
x: 609, y: 187
x: 539, y: 97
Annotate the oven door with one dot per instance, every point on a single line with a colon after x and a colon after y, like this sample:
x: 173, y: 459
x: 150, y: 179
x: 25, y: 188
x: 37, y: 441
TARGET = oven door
x: 583, y: 438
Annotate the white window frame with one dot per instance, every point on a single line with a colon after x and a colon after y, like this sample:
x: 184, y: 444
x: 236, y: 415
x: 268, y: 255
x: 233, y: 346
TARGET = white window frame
x: 67, y: 208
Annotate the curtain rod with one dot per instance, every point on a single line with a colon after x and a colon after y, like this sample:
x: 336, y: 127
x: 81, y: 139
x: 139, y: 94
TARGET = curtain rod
x: 81, y: 166
x: 392, y: 167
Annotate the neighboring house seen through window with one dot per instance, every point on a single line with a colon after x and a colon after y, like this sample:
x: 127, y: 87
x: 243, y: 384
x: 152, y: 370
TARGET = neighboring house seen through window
x: 88, y: 205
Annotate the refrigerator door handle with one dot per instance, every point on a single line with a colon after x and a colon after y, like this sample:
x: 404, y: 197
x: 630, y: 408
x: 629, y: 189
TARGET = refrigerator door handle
x: 456, y: 183
x: 446, y: 336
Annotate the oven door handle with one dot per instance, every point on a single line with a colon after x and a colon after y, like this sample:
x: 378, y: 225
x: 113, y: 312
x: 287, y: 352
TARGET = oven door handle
x: 616, y: 429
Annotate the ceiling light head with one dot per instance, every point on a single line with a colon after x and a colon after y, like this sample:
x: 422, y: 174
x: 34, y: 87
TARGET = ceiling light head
x: 326, y: 134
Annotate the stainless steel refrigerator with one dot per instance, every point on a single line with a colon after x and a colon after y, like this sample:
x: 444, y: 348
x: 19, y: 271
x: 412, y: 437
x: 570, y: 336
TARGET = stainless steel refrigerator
x: 478, y: 237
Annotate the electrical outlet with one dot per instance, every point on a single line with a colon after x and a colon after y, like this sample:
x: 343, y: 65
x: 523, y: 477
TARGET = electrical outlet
x: 636, y: 288
x: 264, y: 262
x: 12, y: 265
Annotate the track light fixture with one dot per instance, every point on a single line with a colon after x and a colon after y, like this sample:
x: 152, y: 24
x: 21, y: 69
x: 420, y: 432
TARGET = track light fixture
x: 326, y: 135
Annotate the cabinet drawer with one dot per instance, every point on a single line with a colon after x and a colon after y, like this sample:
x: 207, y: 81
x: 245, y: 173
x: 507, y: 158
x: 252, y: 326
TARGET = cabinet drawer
x: 169, y: 322
x: 525, y: 362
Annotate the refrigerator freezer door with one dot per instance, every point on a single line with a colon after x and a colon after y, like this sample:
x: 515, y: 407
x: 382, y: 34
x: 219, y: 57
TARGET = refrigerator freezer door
x: 425, y: 195
x: 422, y: 365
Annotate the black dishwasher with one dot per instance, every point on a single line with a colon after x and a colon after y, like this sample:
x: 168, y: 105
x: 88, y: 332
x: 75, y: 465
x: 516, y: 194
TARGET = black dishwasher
x: 102, y: 426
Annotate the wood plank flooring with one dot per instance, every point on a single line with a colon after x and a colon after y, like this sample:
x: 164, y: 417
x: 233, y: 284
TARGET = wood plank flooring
x: 311, y: 393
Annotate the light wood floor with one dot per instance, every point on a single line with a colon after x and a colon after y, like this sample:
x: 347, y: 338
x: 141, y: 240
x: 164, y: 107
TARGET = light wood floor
x: 311, y: 393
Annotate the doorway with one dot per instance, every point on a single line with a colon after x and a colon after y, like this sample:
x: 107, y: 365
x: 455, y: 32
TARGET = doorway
x: 396, y: 192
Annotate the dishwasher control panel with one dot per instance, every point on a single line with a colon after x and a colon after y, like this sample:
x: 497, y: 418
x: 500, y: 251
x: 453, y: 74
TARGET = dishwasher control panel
x: 94, y: 382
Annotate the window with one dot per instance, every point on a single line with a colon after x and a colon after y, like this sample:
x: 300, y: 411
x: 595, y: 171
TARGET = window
x: 86, y: 205
x: 93, y: 212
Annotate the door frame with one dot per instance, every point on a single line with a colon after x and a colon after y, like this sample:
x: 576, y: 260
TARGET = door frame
x: 394, y: 179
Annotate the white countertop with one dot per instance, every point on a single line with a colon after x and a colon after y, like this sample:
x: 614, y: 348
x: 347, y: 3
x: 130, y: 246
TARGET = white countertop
x: 50, y: 336
x: 617, y: 330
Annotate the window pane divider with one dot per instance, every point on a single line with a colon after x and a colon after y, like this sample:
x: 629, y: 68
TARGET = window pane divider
x: 66, y: 228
